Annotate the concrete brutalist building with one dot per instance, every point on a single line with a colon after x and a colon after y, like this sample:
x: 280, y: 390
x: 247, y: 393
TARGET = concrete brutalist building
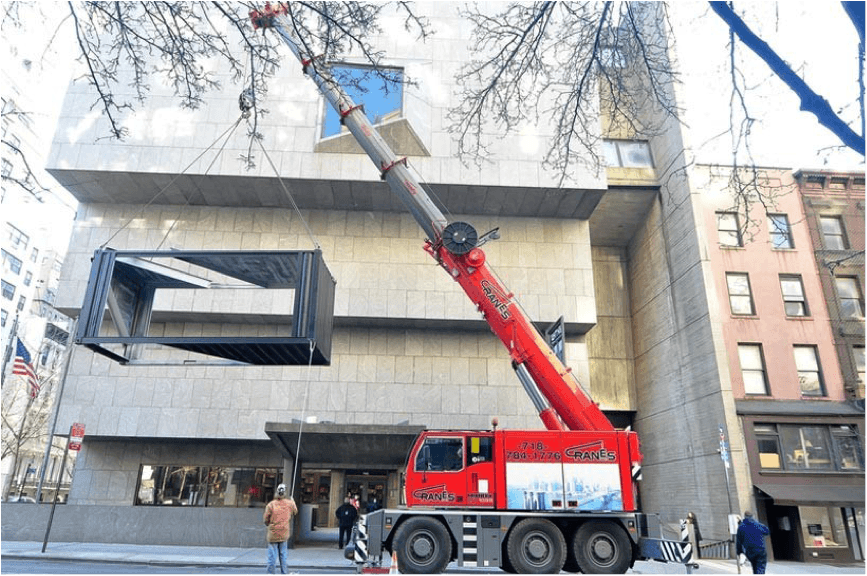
x: 190, y: 454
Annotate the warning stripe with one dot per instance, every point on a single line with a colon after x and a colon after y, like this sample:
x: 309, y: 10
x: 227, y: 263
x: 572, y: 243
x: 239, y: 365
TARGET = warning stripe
x: 470, y: 537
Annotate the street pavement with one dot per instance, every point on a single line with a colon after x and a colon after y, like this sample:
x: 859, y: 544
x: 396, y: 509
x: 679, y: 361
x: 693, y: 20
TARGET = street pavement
x: 320, y: 552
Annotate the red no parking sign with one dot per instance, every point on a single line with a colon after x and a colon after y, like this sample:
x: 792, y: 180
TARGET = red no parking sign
x: 76, y: 436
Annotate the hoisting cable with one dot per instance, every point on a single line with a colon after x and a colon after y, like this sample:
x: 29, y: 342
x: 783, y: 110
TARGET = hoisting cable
x: 164, y: 188
x: 289, y: 196
x: 208, y: 169
x: 296, y: 465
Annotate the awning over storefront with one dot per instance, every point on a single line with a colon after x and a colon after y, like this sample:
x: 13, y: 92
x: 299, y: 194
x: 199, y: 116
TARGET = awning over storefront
x: 344, y: 445
x: 814, y: 494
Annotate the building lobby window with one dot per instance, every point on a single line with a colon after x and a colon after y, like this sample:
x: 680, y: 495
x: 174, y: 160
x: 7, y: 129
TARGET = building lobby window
x: 740, y: 297
x: 794, y: 300
x: 809, y: 374
x: 781, y: 232
x: 728, y: 225
x: 627, y: 153
x: 212, y: 486
x: 753, y: 368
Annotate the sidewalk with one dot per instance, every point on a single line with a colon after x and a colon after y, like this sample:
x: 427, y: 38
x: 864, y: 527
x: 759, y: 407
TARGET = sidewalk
x: 321, y: 552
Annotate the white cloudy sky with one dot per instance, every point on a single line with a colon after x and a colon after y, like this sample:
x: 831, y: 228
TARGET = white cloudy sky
x: 815, y: 37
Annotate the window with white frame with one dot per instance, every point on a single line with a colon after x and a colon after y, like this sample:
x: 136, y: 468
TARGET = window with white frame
x: 740, y: 296
x: 728, y: 226
x: 794, y: 300
x: 781, y: 232
x: 8, y: 290
x: 11, y: 262
x: 851, y: 302
x: 833, y: 233
x: 809, y: 371
x: 753, y: 369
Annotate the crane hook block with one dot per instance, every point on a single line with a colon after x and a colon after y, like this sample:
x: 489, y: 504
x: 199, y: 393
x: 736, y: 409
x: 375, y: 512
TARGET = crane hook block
x: 459, y: 238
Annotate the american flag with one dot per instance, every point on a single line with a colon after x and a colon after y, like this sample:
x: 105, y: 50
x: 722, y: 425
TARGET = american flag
x: 24, y: 367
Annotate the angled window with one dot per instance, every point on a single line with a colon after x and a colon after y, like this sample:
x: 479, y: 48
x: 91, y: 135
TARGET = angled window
x: 809, y: 372
x: 284, y: 300
x: 740, y: 297
x: 851, y: 302
x: 8, y: 290
x: 382, y: 97
x: 4, y: 315
x: 753, y: 369
x: 728, y: 225
x: 627, y: 153
x: 781, y: 232
x: 21, y: 301
x: 793, y: 296
x: 6, y: 168
x: 34, y: 255
x: 28, y: 278
x: 832, y: 233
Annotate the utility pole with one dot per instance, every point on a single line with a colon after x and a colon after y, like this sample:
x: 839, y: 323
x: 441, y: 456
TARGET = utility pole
x: 53, y: 425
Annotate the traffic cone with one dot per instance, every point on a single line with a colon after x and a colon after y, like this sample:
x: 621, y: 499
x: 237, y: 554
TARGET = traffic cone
x: 394, y: 569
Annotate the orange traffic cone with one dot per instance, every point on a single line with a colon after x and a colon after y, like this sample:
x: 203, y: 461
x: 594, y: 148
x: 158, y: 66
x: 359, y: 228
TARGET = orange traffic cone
x: 394, y: 569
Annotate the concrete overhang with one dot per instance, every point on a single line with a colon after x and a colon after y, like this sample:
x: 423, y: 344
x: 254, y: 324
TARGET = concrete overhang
x: 112, y: 187
x: 344, y: 445
x: 615, y: 214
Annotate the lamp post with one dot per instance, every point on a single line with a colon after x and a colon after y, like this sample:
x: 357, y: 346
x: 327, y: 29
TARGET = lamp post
x: 53, y: 426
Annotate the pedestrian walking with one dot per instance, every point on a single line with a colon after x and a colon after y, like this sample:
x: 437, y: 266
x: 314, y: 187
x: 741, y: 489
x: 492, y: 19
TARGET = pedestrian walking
x: 278, y: 516
x: 750, y: 542
x: 346, y: 516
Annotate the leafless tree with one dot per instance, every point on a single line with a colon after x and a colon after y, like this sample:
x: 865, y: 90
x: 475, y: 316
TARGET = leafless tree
x: 124, y: 47
x: 572, y: 61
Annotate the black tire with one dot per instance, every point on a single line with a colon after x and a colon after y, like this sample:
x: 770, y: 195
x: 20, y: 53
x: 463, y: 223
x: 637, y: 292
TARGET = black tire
x: 602, y: 547
x: 536, y: 546
x: 423, y: 546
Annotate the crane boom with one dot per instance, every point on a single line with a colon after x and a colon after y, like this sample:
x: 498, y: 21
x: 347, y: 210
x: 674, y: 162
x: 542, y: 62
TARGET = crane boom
x: 455, y: 247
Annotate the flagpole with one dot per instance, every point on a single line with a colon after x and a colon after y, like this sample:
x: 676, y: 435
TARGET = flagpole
x: 53, y: 427
x: 13, y: 334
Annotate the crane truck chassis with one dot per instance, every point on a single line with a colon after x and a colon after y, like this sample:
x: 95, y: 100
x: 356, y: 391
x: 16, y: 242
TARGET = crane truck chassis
x: 526, y: 501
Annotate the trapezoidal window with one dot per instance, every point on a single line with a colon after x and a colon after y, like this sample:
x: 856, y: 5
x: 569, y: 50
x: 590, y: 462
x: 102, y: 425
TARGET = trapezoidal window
x: 185, y: 307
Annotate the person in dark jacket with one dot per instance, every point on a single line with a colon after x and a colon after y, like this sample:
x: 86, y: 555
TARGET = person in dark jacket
x: 346, y: 516
x: 751, y: 542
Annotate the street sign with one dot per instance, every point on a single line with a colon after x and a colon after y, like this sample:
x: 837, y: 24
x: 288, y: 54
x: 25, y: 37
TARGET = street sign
x: 723, y: 449
x: 76, y: 436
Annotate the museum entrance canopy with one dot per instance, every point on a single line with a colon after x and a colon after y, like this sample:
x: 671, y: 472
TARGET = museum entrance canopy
x: 244, y: 307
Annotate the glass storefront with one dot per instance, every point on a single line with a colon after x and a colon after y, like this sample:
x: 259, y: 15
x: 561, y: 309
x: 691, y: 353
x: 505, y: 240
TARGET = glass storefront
x: 822, y: 527
x: 218, y: 486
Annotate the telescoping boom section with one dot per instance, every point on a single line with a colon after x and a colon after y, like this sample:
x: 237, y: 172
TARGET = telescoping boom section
x: 563, y: 405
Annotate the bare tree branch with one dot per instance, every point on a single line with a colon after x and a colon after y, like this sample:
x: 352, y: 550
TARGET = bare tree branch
x: 810, y: 101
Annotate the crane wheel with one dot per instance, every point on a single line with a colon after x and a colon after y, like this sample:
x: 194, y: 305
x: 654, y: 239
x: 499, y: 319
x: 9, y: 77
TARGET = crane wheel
x: 423, y: 546
x: 601, y: 547
x: 536, y: 546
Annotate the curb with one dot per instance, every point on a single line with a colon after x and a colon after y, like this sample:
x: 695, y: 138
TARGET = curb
x: 49, y: 557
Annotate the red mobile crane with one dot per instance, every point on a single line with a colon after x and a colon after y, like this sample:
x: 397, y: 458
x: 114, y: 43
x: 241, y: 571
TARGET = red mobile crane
x: 526, y: 501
